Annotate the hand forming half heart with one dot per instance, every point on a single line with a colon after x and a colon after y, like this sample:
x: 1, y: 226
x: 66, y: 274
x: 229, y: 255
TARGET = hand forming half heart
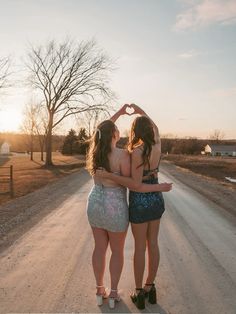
x: 129, y: 110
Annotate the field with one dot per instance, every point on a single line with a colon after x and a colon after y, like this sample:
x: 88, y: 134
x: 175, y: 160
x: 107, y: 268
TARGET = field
x: 31, y: 175
x: 214, y: 167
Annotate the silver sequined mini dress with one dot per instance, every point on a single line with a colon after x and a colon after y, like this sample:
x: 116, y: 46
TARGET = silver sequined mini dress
x: 107, y: 208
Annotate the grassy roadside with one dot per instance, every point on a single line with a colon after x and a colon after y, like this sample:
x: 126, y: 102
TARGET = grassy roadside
x: 214, y: 167
x: 31, y: 175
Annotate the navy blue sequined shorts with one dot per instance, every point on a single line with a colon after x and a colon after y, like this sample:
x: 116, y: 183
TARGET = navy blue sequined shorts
x: 145, y: 207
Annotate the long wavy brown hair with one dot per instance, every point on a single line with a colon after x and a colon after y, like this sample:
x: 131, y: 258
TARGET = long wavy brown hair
x: 100, y: 147
x: 142, y: 133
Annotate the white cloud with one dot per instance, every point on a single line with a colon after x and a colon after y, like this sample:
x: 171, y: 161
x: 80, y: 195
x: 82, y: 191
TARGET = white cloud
x: 206, y: 12
x: 189, y: 54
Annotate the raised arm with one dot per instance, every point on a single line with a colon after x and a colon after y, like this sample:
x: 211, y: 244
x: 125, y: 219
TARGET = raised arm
x: 140, y: 111
x: 119, y: 113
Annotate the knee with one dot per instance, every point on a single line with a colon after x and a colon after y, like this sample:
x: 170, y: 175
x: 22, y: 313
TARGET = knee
x: 140, y: 249
x: 117, y: 252
x: 100, y: 249
x: 153, y: 246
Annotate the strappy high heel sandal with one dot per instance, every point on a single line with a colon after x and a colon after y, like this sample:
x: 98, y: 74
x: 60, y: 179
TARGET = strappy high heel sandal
x: 138, y: 298
x: 112, y: 301
x: 101, y: 297
x: 151, y: 293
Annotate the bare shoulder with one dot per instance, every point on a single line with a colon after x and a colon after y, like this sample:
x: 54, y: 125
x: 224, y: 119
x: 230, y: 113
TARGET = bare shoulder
x: 137, y: 153
x: 123, y: 153
x: 138, y: 150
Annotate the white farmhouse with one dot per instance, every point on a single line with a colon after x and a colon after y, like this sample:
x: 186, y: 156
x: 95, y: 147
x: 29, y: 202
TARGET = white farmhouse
x: 5, y: 149
x: 220, y: 150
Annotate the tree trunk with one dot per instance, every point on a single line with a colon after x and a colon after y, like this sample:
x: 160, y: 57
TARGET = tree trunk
x: 41, y: 143
x: 42, y: 155
x: 49, y: 162
x: 31, y: 147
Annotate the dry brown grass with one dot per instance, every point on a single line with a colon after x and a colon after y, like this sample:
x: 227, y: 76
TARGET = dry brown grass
x: 32, y: 175
x: 215, y: 167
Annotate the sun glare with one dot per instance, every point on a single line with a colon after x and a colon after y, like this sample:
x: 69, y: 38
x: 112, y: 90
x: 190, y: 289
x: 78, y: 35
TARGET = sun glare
x: 10, y: 120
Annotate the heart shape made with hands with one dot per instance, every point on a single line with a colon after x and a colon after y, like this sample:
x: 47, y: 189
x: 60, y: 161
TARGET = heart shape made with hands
x: 130, y: 110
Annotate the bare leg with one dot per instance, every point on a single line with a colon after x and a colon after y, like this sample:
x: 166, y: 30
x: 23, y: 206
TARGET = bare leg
x: 153, y: 250
x: 140, y: 236
x: 117, y: 241
x: 99, y: 256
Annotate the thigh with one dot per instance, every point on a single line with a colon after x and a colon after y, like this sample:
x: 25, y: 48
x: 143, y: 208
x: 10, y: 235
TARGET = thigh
x: 100, y: 237
x: 117, y: 240
x: 153, y: 231
x: 140, y: 234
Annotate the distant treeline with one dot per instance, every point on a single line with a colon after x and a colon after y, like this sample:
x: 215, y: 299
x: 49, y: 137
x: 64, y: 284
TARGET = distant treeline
x: 190, y: 146
x: 21, y: 143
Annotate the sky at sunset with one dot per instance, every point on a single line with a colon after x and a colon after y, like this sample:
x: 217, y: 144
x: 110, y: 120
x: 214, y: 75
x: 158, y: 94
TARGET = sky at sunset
x: 174, y: 58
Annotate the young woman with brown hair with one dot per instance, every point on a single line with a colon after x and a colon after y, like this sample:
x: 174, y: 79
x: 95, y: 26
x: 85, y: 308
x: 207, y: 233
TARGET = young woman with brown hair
x: 107, y: 207
x: 145, y: 209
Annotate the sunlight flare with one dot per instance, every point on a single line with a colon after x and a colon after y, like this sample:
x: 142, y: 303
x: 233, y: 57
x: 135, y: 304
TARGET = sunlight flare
x: 10, y: 120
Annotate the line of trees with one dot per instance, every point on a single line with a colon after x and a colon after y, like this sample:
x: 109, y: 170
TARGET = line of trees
x: 188, y: 146
x: 20, y: 142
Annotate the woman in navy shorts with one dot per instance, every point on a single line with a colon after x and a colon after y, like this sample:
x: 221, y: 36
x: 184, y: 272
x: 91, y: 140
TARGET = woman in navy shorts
x: 145, y: 209
x: 107, y: 206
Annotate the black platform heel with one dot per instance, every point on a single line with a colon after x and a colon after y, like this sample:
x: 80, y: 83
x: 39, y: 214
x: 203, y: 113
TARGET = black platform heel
x: 151, y: 294
x: 138, y: 298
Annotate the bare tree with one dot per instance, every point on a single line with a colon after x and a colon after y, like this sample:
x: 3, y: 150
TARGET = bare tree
x: 35, y: 125
x: 91, y: 118
x: 41, y: 127
x: 69, y: 76
x: 29, y: 125
x: 4, y: 72
x: 217, y: 135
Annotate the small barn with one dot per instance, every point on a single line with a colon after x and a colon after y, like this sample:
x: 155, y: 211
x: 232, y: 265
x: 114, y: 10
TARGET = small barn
x: 5, y: 148
x: 220, y: 150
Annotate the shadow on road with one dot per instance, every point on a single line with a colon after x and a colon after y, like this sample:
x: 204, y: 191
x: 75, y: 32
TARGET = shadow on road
x: 36, y: 205
x: 122, y: 307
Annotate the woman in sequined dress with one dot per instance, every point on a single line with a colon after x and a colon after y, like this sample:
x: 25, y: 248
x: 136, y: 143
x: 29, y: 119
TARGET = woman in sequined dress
x: 107, y: 207
x: 145, y: 209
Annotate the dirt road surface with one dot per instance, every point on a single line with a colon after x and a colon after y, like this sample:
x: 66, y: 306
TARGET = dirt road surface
x: 48, y: 269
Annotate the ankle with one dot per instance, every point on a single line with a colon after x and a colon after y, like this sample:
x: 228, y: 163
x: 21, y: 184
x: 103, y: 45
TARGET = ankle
x: 149, y: 286
x: 113, y: 293
x: 139, y: 291
x: 100, y: 289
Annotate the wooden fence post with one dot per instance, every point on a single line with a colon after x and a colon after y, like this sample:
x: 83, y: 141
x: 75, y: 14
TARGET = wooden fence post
x: 11, y: 182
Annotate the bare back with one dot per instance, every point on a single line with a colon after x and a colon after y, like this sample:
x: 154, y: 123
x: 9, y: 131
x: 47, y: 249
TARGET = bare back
x: 154, y: 157
x: 115, y: 160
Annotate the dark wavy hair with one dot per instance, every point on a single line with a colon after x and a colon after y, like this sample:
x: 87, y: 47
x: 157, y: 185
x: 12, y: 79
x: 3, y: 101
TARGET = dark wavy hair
x: 100, y: 147
x: 142, y: 133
